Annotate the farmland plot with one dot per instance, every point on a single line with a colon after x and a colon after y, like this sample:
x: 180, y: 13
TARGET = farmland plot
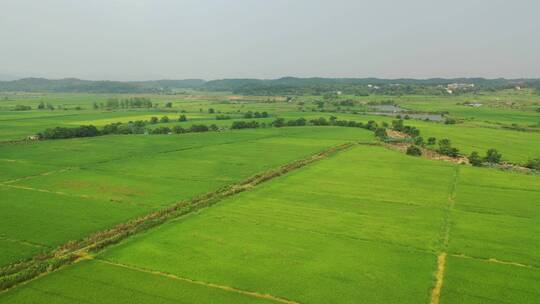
x: 71, y: 188
x: 305, y: 237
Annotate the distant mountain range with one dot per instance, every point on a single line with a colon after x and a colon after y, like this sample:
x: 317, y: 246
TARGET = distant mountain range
x: 268, y: 86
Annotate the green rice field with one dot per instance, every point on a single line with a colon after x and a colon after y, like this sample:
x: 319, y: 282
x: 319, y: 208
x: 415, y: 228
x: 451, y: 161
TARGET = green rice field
x: 362, y: 223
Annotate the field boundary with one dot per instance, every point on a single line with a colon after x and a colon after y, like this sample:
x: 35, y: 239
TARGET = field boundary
x: 23, y: 242
x: 202, y: 283
x: 445, y: 239
x: 18, y: 273
x: 493, y: 260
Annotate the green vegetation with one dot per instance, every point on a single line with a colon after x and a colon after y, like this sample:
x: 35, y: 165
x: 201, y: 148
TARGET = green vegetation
x: 288, y: 236
x: 368, y: 223
x: 414, y: 150
x: 110, y: 185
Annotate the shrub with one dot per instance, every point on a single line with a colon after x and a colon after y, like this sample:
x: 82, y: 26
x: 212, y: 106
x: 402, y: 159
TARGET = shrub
x: 22, y: 108
x: 449, y: 121
x: 153, y: 120
x: 245, y: 125
x: 199, y: 128
x: 431, y: 141
x: 380, y: 133
x: 297, y: 122
x: 533, y: 163
x: 414, y: 150
x: 61, y: 132
x: 321, y: 121
x: 445, y: 148
x: 178, y: 130
x: 182, y: 118
x: 279, y: 122
x: 475, y: 159
x: 164, y: 119
x: 161, y: 130
x: 222, y: 117
x: 493, y: 156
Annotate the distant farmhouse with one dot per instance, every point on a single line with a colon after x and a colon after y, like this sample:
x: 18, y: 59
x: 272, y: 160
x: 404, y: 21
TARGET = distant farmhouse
x: 451, y: 88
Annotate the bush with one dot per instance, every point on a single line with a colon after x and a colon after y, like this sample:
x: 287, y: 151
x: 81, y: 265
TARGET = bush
x: 414, y: 150
x: 380, y: 133
x: 178, y: 130
x: 279, y: 122
x: 199, y: 128
x: 164, y: 119
x: 445, y: 148
x: 62, y: 133
x: 493, y: 156
x: 533, y: 163
x: 222, y: 117
x: 182, y: 118
x: 419, y: 141
x: 321, y: 121
x: 431, y: 141
x: 245, y: 125
x: 297, y: 122
x: 22, y: 108
x: 153, y: 120
x: 475, y: 159
x: 449, y: 121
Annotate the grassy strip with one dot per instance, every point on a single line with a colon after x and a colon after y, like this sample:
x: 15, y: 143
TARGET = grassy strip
x: 72, y: 251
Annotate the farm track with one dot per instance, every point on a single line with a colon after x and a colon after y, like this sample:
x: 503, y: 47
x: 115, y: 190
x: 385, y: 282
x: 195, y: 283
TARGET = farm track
x: 46, y: 191
x: 202, y: 283
x: 494, y: 260
x: 23, y: 242
x: 71, y: 252
x: 445, y: 239
x: 37, y: 175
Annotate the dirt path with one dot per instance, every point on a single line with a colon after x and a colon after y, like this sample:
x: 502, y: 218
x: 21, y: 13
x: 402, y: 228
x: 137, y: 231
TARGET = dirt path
x: 202, y: 283
x: 494, y: 260
x: 22, y: 242
x: 445, y: 239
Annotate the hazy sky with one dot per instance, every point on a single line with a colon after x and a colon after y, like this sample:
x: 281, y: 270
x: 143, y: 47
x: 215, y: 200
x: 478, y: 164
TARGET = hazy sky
x: 153, y: 39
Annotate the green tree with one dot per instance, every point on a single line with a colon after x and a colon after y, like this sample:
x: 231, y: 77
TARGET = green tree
x: 153, y: 120
x: 182, y: 118
x: 168, y: 105
x: 493, y: 156
x: 178, y: 130
x: 380, y: 133
x: 414, y: 150
x: 164, y: 119
x: 475, y: 159
x: 445, y: 148
x: 279, y: 122
x: 533, y: 163
x: 431, y: 141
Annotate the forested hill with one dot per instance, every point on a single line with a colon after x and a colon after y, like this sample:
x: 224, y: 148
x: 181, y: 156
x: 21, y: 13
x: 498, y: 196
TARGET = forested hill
x: 73, y: 85
x: 281, y: 86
